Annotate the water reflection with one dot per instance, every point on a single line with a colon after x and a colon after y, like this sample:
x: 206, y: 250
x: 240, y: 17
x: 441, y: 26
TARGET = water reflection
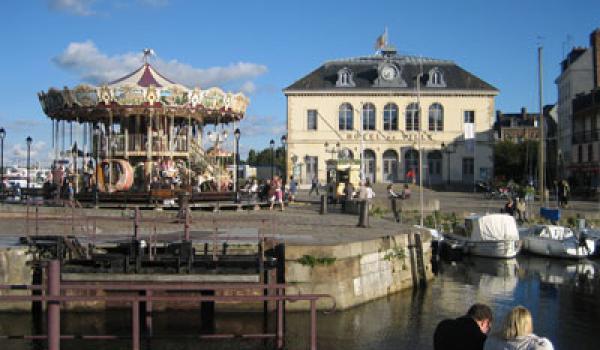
x: 563, y: 296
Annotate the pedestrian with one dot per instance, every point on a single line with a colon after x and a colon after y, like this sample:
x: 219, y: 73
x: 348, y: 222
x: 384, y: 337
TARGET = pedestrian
x: 314, y: 186
x: 509, y: 207
x: 277, y: 193
x: 517, y: 333
x: 565, y: 191
x: 521, y: 208
x: 468, y: 332
x: 293, y: 189
x: 393, y: 196
x: 410, y: 176
x: 348, y: 194
x: 406, y: 192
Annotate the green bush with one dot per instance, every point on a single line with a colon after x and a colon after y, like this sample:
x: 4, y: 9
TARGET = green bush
x: 309, y: 260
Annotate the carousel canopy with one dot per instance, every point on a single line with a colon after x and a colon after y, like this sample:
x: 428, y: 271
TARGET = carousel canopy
x: 144, y: 92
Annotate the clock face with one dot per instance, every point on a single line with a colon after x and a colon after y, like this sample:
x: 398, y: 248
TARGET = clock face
x: 388, y: 73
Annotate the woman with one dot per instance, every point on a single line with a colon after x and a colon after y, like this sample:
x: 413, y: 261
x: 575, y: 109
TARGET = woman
x: 517, y: 334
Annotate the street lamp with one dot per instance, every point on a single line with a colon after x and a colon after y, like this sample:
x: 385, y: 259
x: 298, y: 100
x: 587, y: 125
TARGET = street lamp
x: 2, y: 135
x: 96, y: 186
x: 29, y: 140
x: 75, y: 154
x: 418, y: 81
x: 272, y: 144
x: 236, y: 161
x: 284, y: 143
x: 333, y: 150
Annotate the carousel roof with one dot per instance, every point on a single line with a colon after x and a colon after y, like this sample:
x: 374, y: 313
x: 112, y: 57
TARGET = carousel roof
x: 143, y: 92
x: 145, y: 76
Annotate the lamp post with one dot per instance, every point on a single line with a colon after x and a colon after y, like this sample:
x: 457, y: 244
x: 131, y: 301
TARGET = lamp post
x: 96, y: 185
x: 75, y: 154
x: 2, y: 135
x: 333, y: 150
x: 418, y: 78
x: 272, y: 145
x: 236, y: 161
x: 284, y: 144
x: 28, y: 140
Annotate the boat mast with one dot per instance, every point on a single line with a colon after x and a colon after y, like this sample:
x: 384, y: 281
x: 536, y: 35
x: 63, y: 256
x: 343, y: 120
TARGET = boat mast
x: 542, y: 138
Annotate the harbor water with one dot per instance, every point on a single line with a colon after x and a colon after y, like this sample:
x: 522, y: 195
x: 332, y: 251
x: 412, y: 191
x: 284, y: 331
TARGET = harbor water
x: 563, y: 296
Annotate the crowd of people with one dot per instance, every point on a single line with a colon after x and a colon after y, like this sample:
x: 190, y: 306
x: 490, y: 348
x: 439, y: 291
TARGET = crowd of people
x: 473, y: 332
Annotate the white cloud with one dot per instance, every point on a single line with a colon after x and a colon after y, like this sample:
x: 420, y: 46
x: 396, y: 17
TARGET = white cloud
x: 248, y: 88
x: 95, y: 67
x: 19, y: 150
x: 75, y: 7
x: 263, y: 126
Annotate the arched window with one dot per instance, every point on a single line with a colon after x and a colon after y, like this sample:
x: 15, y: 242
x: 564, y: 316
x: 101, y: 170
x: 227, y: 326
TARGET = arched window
x: 390, y: 166
x: 436, y: 117
x: 345, y: 78
x: 368, y: 116
x: 346, y: 116
x: 390, y: 117
x: 436, y: 78
x: 412, y: 117
x: 345, y: 154
x: 370, y: 165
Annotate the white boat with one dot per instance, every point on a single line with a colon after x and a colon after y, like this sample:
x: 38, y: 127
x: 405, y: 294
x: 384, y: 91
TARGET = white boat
x: 557, y: 241
x: 493, y: 236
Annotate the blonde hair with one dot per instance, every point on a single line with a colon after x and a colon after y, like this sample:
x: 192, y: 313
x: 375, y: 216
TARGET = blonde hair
x: 518, y: 322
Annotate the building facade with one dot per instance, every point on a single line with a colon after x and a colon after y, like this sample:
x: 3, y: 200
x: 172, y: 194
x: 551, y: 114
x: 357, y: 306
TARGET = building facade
x: 370, y: 106
x: 579, y: 74
x: 585, y: 164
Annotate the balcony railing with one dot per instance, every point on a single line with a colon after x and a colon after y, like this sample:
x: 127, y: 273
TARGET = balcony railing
x: 586, y: 136
x: 139, y: 143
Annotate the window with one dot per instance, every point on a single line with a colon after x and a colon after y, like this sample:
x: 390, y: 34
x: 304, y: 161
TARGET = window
x: 368, y: 117
x: 390, y: 117
x: 412, y: 117
x: 311, y: 119
x: 436, y: 117
x: 345, y: 78
x: 469, y: 117
x: 590, y: 152
x: 580, y: 154
x: 346, y: 116
x: 436, y: 78
x: 468, y: 166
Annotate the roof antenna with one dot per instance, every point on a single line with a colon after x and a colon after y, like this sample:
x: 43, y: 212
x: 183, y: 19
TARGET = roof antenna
x: 147, y: 53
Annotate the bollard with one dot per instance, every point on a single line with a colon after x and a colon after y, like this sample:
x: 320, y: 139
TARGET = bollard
x: 323, y: 209
x: 53, y: 306
x: 363, y: 213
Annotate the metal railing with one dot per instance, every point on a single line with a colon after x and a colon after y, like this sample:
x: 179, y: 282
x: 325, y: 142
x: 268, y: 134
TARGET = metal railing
x: 56, y: 292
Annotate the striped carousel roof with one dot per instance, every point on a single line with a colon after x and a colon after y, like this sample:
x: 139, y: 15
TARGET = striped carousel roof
x: 145, y: 76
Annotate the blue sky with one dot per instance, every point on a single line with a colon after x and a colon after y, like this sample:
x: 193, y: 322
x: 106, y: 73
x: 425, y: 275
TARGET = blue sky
x: 261, y: 47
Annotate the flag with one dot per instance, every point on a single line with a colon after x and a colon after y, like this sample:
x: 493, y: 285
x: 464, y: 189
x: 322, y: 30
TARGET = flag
x: 470, y: 137
x: 381, y: 41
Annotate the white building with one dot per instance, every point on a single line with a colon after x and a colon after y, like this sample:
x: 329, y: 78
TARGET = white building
x: 577, y: 76
x: 370, y: 104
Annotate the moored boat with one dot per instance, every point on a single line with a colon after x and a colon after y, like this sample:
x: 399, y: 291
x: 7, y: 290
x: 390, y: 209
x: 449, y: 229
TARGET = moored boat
x: 557, y: 241
x: 493, y: 235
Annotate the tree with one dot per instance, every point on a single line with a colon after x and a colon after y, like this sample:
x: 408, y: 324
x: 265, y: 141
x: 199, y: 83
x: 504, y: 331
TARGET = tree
x: 263, y: 157
x: 516, y: 161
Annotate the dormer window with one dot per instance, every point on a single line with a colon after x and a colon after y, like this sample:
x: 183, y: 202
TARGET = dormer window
x: 436, y: 78
x: 345, y: 78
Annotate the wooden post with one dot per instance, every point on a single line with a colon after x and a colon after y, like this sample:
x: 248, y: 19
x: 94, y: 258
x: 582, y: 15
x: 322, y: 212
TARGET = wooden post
x: 53, y: 306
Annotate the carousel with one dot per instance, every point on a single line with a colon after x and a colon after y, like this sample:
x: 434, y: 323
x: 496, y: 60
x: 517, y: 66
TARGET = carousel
x: 139, y: 134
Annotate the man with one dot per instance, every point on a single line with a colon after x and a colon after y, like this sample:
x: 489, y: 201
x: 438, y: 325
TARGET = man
x: 314, y: 185
x: 464, y: 333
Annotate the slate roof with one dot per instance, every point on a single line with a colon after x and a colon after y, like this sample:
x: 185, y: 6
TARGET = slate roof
x: 365, y: 73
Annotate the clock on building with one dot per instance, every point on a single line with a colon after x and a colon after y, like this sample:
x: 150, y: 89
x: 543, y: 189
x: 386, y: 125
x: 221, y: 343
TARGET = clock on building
x: 388, y: 72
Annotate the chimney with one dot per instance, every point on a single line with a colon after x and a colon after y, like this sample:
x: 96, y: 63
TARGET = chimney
x: 524, y: 113
x: 595, y: 45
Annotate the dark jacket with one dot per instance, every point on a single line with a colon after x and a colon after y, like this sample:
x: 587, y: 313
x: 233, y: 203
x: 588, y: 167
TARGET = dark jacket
x: 462, y: 333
